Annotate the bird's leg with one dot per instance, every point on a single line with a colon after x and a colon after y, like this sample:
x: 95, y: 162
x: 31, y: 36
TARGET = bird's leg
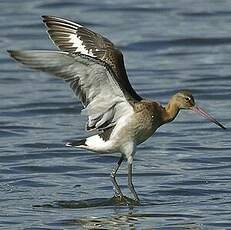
x: 130, y: 184
x: 113, y: 175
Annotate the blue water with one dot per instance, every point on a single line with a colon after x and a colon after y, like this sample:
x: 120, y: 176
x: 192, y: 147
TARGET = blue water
x: 182, y: 174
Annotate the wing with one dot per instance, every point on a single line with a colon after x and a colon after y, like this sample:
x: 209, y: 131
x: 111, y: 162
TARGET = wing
x: 71, y: 37
x: 90, y: 79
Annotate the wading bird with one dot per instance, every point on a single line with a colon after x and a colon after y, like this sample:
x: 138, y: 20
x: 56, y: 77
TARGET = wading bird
x: 95, y: 70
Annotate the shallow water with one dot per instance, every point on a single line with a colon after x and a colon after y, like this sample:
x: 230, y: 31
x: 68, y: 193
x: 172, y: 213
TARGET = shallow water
x: 182, y: 174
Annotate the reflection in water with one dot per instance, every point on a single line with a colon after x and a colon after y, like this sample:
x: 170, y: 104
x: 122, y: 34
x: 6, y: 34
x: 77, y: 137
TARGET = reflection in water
x: 130, y: 219
x: 107, y: 222
x: 124, y: 222
x: 133, y: 220
x: 114, y: 221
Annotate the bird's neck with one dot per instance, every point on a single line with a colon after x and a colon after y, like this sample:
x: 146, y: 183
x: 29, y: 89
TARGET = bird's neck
x: 170, y: 111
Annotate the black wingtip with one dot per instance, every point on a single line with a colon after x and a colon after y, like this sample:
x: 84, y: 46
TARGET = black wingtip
x: 45, y: 16
x: 49, y: 17
x: 12, y: 53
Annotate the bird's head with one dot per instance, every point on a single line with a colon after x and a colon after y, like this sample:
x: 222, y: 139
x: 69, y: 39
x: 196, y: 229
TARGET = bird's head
x: 185, y: 100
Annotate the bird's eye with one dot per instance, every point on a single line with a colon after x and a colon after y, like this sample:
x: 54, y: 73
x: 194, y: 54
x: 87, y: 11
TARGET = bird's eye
x: 187, y: 98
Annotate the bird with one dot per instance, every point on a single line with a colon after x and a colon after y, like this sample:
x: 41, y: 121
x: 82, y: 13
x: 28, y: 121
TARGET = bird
x: 118, y: 119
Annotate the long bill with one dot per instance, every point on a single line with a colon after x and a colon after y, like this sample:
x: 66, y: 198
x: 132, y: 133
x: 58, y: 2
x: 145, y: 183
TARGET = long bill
x: 204, y: 114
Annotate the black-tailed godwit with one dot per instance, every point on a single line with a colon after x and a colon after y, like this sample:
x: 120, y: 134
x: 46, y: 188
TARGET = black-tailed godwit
x: 95, y: 70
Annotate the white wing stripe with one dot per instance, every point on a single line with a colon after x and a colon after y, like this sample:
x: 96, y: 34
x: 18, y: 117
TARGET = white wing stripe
x: 78, y: 44
x: 66, y: 32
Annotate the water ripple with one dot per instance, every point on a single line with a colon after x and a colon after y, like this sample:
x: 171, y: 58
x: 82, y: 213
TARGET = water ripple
x: 162, y: 44
x: 182, y: 174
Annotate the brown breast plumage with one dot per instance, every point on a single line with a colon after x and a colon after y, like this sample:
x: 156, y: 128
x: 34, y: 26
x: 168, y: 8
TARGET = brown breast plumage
x: 147, y: 119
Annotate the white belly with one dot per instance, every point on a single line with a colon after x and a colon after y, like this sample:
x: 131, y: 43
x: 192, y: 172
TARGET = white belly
x: 120, y: 137
x: 125, y: 136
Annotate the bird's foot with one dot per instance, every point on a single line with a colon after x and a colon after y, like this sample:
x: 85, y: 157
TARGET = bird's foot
x: 136, y: 202
x: 123, y: 200
x: 120, y: 199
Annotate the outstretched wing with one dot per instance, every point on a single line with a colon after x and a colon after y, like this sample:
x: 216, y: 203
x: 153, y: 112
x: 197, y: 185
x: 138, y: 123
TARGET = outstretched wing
x: 72, y: 37
x: 90, y: 79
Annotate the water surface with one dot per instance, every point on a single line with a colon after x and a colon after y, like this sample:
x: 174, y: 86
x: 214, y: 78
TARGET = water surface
x: 182, y: 174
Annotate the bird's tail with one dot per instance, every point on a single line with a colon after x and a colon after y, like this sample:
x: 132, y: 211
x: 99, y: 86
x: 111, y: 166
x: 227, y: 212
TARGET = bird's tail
x: 76, y: 143
x: 93, y: 143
